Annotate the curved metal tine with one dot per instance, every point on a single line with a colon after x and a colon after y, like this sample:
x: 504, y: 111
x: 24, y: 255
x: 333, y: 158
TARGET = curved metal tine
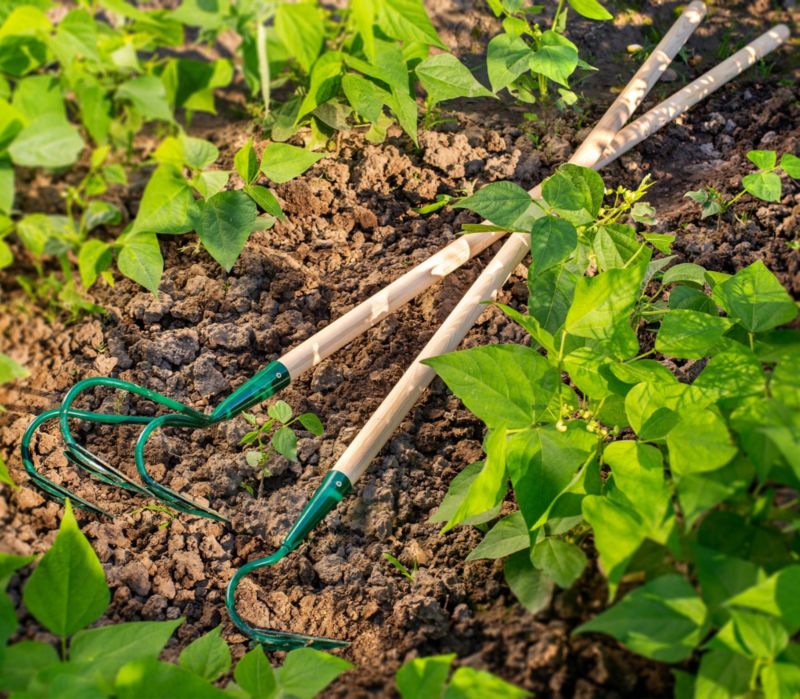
x: 272, y: 639
x: 171, y: 497
x: 83, y: 457
x: 53, y: 490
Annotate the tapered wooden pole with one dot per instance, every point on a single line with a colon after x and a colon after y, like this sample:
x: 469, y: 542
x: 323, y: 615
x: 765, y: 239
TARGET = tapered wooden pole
x: 359, y: 319
x: 396, y: 405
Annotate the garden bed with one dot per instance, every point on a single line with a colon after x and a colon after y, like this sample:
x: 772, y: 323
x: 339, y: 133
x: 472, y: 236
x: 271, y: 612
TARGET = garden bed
x: 350, y: 230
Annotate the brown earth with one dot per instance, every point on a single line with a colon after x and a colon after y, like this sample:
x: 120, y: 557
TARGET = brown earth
x: 350, y: 231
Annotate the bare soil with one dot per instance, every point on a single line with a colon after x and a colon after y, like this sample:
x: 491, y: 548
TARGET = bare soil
x: 350, y: 231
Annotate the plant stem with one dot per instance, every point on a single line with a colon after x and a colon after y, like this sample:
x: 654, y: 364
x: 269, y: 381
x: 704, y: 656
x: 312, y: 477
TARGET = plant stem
x: 263, y: 62
x: 558, y: 12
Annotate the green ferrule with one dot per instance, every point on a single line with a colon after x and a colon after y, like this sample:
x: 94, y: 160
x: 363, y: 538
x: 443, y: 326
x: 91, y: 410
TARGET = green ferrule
x: 264, y: 384
x: 330, y: 492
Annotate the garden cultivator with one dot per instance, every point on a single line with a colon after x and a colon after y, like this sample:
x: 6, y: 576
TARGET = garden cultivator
x: 607, y: 141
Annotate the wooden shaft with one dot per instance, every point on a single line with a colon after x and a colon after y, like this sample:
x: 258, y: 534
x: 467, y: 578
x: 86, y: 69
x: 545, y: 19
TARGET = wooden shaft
x: 396, y: 405
x: 370, y: 312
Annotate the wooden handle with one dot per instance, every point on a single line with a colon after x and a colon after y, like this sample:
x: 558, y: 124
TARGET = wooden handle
x: 372, y: 311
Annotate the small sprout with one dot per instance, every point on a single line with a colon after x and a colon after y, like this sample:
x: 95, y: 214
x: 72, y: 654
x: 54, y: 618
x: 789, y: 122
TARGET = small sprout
x: 403, y: 570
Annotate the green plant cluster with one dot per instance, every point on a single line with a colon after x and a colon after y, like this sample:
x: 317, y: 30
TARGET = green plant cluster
x: 67, y: 591
x: 764, y: 184
x: 657, y: 415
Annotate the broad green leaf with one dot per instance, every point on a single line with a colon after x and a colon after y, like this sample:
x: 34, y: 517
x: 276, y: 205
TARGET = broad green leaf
x: 589, y: 370
x: 784, y: 384
x: 721, y: 576
x: 22, y: 661
x: 591, y: 9
x: 67, y: 591
x: 198, y: 153
x: 618, y: 533
x: 556, y: 58
x: 662, y: 620
x: 790, y: 164
x: 282, y: 162
x: 95, y: 109
x: 9, y: 563
x: 723, y: 675
x: 140, y: 259
x: 49, y: 141
x: 763, y: 159
x: 780, y: 680
x: 100, y: 213
x: 614, y: 244
x: 21, y: 54
x: 147, y: 95
x: 699, y: 442
x: 574, y: 189
x: 107, y: 648
x: 692, y: 299
x: 210, y: 182
x: 207, y: 656
x: 301, y: 30
x: 8, y: 625
x: 284, y: 441
x: 404, y: 107
x: 531, y: 587
x: 690, y: 335
x: 280, y: 411
x: 207, y: 14
x: 507, y: 58
x: 503, y: 203
x: 753, y: 634
x: 364, y: 96
x: 11, y: 370
x: 324, y: 84
x: 362, y: 14
x: 224, y: 224
x: 763, y: 185
x: 536, y: 331
x: 255, y: 675
x: 306, y: 672
x: 755, y: 298
x: 94, y: 257
x: 776, y: 596
x: 246, y: 162
x: 312, y: 423
x: 408, y: 21
x: 6, y: 185
x: 686, y: 272
x: 469, y: 683
x: 151, y: 678
x: 444, y: 77
x: 76, y: 37
x: 652, y: 407
x: 558, y: 559
x: 265, y: 199
x: 504, y: 385
x: 165, y: 204
x: 550, y: 295
x: 734, y: 372
x: 508, y: 536
x: 424, y: 678
x: 459, y: 487
x: 642, y: 370
x: 552, y: 241
x: 700, y: 492
x: 37, y: 96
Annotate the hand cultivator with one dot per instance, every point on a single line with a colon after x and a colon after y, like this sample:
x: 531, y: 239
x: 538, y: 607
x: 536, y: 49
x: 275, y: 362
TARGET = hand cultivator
x: 607, y: 141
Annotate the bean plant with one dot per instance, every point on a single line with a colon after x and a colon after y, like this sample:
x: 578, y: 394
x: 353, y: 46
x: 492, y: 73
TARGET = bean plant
x: 67, y: 592
x: 656, y: 415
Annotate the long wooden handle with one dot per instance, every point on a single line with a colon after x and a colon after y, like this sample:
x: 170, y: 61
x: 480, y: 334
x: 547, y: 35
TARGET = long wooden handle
x: 396, y: 405
x: 366, y: 314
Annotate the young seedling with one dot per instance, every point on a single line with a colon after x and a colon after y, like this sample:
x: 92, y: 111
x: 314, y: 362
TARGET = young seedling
x: 764, y: 184
x: 400, y: 568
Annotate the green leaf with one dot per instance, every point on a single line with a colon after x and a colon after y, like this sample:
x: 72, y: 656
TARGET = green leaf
x: 469, y: 683
x: 723, y: 675
x: 531, y: 587
x: 49, y: 141
x: 753, y: 634
x: 591, y: 9
x: 6, y: 479
x: 504, y: 385
x: 574, y: 189
x: 265, y: 199
x: 763, y: 185
x: 732, y: 373
x: 558, y: 559
x: 323, y: 85
x: 618, y: 533
x: 140, y: 259
x: 550, y: 295
x: 148, y: 96
x: 589, y: 370
x: 94, y: 257
x: 507, y: 58
x: 282, y: 162
x: 224, y: 224
x: 404, y: 107
x: 246, y: 162
x: 776, y: 596
x: 755, y: 298
x: 763, y: 159
x: 686, y: 272
x: 22, y: 662
x: 459, y: 487
x: 281, y: 411
x: 662, y: 620
x: 255, y: 675
x: 444, y: 77
x: 11, y: 370
x: 699, y: 442
x: 690, y: 335
x: 210, y: 182
x: 67, y: 591
x: 198, y: 153
x: 424, y: 678
x: 364, y: 96
x: 508, y: 536
x: 552, y: 241
x: 39, y: 95
x: 556, y: 58
x: 503, y: 203
x: 150, y: 678
x: 780, y: 680
x: 311, y: 423
x: 614, y: 244
x: 306, y: 672
x: 107, y: 648
x: 300, y: 29
x: 790, y: 164
x: 6, y: 185
x: 285, y: 443
x: 207, y: 656
x: 362, y: 13
x: 9, y: 563
x: 408, y: 21
x: 165, y: 204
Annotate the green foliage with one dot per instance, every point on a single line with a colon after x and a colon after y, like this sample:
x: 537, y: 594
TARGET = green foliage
x: 698, y: 501
x: 526, y: 57
x: 764, y: 184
